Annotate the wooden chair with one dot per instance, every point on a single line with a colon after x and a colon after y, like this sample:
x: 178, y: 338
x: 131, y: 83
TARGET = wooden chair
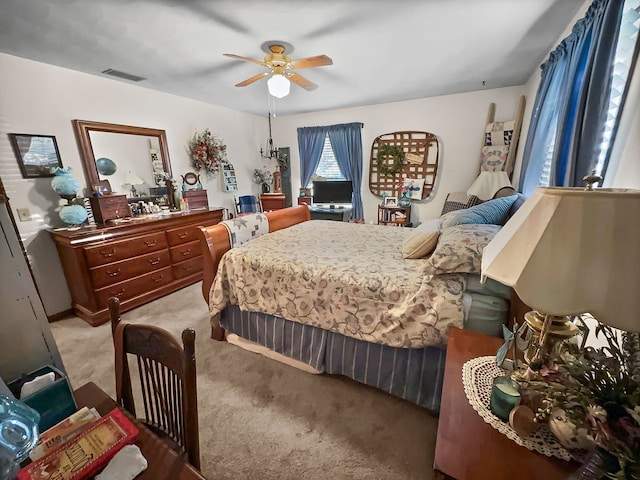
x: 167, y: 374
x: 247, y: 204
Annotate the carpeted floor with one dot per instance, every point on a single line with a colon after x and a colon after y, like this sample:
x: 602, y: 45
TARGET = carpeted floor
x: 260, y: 419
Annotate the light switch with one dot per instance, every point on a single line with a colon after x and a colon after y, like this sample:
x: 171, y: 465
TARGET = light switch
x: 24, y: 214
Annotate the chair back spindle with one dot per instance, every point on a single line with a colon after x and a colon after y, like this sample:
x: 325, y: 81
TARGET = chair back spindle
x: 167, y: 374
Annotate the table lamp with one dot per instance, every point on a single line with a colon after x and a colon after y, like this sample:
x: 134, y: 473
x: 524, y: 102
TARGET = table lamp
x: 569, y: 251
x: 133, y: 179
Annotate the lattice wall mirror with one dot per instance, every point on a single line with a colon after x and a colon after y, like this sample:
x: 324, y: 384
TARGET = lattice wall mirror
x: 109, y: 151
x: 421, y: 157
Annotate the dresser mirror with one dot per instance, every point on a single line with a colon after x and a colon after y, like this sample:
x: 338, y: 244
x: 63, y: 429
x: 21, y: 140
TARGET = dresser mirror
x: 124, y: 156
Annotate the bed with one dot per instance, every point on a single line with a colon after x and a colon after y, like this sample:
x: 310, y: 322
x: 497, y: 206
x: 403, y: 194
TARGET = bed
x: 339, y: 298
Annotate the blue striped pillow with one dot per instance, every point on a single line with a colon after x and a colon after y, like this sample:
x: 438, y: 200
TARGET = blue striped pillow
x: 493, y: 212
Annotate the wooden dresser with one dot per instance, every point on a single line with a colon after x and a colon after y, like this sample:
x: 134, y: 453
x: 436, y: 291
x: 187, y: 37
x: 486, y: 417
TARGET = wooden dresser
x: 109, y: 207
x: 137, y: 261
x: 272, y: 201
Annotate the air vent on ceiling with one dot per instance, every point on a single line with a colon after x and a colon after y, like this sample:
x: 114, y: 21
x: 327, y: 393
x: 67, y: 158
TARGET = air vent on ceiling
x: 125, y: 75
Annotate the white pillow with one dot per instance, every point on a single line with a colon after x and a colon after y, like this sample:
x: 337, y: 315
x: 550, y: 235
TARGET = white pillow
x: 431, y: 225
x: 420, y: 244
x: 423, y: 241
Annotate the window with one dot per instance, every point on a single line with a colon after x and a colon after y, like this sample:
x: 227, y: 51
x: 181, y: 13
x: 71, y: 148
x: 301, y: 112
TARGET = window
x: 624, y: 57
x: 328, y: 167
x: 623, y: 63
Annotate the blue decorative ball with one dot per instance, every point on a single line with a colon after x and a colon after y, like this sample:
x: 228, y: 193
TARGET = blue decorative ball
x: 63, y: 183
x: 106, y: 166
x: 73, y: 214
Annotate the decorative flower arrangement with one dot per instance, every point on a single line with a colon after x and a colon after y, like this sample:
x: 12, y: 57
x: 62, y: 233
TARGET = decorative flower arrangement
x: 207, y: 152
x: 592, y: 397
x: 262, y: 176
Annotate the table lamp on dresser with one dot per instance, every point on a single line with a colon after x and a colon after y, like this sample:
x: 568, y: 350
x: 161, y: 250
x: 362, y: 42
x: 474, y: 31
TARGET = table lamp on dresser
x: 569, y: 251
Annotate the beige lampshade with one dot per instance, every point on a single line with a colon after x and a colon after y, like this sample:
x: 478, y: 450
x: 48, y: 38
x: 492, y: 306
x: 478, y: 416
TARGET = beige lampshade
x: 132, y: 178
x: 568, y: 251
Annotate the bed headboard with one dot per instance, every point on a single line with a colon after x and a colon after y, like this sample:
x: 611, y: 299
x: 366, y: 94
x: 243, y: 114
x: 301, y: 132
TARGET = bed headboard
x: 214, y: 240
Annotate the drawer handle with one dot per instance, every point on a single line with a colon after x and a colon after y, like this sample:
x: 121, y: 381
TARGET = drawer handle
x: 108, y: 253
x: 113, y: 274
x: 183, y: 235
x: 186, y: 252
x: 186, y: 268
x: 151, y: 244
x: 155, y: 262
x: 158, y: 279
x: 118, y: 294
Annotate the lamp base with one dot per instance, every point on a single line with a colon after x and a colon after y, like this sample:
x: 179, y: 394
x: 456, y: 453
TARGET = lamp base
x: 549, y: 331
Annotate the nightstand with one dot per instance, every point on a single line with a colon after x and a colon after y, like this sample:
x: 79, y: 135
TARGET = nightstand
x: 469, y: 448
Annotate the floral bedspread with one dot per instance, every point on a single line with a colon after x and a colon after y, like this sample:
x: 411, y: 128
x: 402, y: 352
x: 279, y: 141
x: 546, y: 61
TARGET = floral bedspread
x: 344, y: 277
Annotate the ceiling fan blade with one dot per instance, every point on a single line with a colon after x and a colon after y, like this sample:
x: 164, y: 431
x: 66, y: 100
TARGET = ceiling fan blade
x: 244, y: 59
x: 301, y: 81
x: 317, y: 61
x: 249, y: 81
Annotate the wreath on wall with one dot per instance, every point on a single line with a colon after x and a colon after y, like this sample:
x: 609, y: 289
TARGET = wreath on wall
x: 207, y: 152
x: 396, y: 153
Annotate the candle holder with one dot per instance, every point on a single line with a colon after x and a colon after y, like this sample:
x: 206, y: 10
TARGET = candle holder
x: 505, y: 396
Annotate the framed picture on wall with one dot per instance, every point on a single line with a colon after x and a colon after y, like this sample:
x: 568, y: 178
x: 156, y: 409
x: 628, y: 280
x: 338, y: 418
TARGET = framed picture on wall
x: 37, y: 155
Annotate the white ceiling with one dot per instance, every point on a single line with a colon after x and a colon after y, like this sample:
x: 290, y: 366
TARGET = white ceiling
x: 383, y: 51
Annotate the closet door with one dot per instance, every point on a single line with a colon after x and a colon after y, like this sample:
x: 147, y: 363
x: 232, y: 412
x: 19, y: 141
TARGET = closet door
x: 26, y: 342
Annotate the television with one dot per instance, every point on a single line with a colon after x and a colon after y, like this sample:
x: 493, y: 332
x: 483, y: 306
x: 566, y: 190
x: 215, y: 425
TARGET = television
x: 332, y: 192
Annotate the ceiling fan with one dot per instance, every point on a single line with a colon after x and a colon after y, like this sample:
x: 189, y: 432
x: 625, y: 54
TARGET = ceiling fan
x: 282, y: 70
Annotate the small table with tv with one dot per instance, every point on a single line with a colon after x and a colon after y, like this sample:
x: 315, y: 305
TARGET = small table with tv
x: 332, y: 200
x: 337, y: 213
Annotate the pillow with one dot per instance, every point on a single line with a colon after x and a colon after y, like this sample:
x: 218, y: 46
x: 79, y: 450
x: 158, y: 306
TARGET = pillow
x: 431, y: 225
x: 458, y: 201
x: 459, y: 249
x: 420, y: 245
x: 493, y: 212
x: 493, y: 158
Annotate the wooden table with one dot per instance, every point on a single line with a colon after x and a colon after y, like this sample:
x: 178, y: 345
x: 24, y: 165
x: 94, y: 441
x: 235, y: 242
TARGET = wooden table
x: 469, y: 448
x: 163, y: 462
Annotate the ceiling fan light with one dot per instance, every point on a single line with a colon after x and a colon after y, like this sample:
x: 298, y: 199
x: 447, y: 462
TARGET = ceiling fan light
x: 278, y: 86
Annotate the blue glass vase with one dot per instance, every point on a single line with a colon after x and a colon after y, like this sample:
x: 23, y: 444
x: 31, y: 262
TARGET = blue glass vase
x: 73, y: 214
x: 18, y: 434
x: 63, y: 183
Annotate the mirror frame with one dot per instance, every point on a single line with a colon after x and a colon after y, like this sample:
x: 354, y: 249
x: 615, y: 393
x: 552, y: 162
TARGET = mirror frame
x: 84, y: 127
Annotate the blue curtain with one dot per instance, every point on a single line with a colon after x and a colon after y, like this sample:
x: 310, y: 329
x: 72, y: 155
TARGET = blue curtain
x: 572, y: 101
x: 346, y: 143
x: 310, y: 144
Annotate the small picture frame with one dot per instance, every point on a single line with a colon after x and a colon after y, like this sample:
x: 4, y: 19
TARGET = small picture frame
x: 305, y: 192
x: 101, y: 188
x: 37, y: 155
x: 391, y: 201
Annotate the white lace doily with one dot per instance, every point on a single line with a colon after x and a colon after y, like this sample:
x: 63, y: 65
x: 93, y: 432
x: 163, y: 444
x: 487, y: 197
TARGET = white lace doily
x: 477, y: 378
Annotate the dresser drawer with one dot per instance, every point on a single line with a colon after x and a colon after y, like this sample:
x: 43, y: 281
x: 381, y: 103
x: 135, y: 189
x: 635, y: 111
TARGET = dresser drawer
x: 136, y: 286
x: 188, y: 267
x: 186, y: 234
x: 185, y: 251
x: 121, y: 249
x: 124, y: 269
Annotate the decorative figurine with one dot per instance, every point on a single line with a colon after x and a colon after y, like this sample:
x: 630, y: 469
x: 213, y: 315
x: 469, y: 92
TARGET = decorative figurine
x: 512, y: 340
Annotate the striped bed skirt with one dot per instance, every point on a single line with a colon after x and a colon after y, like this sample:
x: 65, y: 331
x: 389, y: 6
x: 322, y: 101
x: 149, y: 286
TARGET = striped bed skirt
x: 412, y: 374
